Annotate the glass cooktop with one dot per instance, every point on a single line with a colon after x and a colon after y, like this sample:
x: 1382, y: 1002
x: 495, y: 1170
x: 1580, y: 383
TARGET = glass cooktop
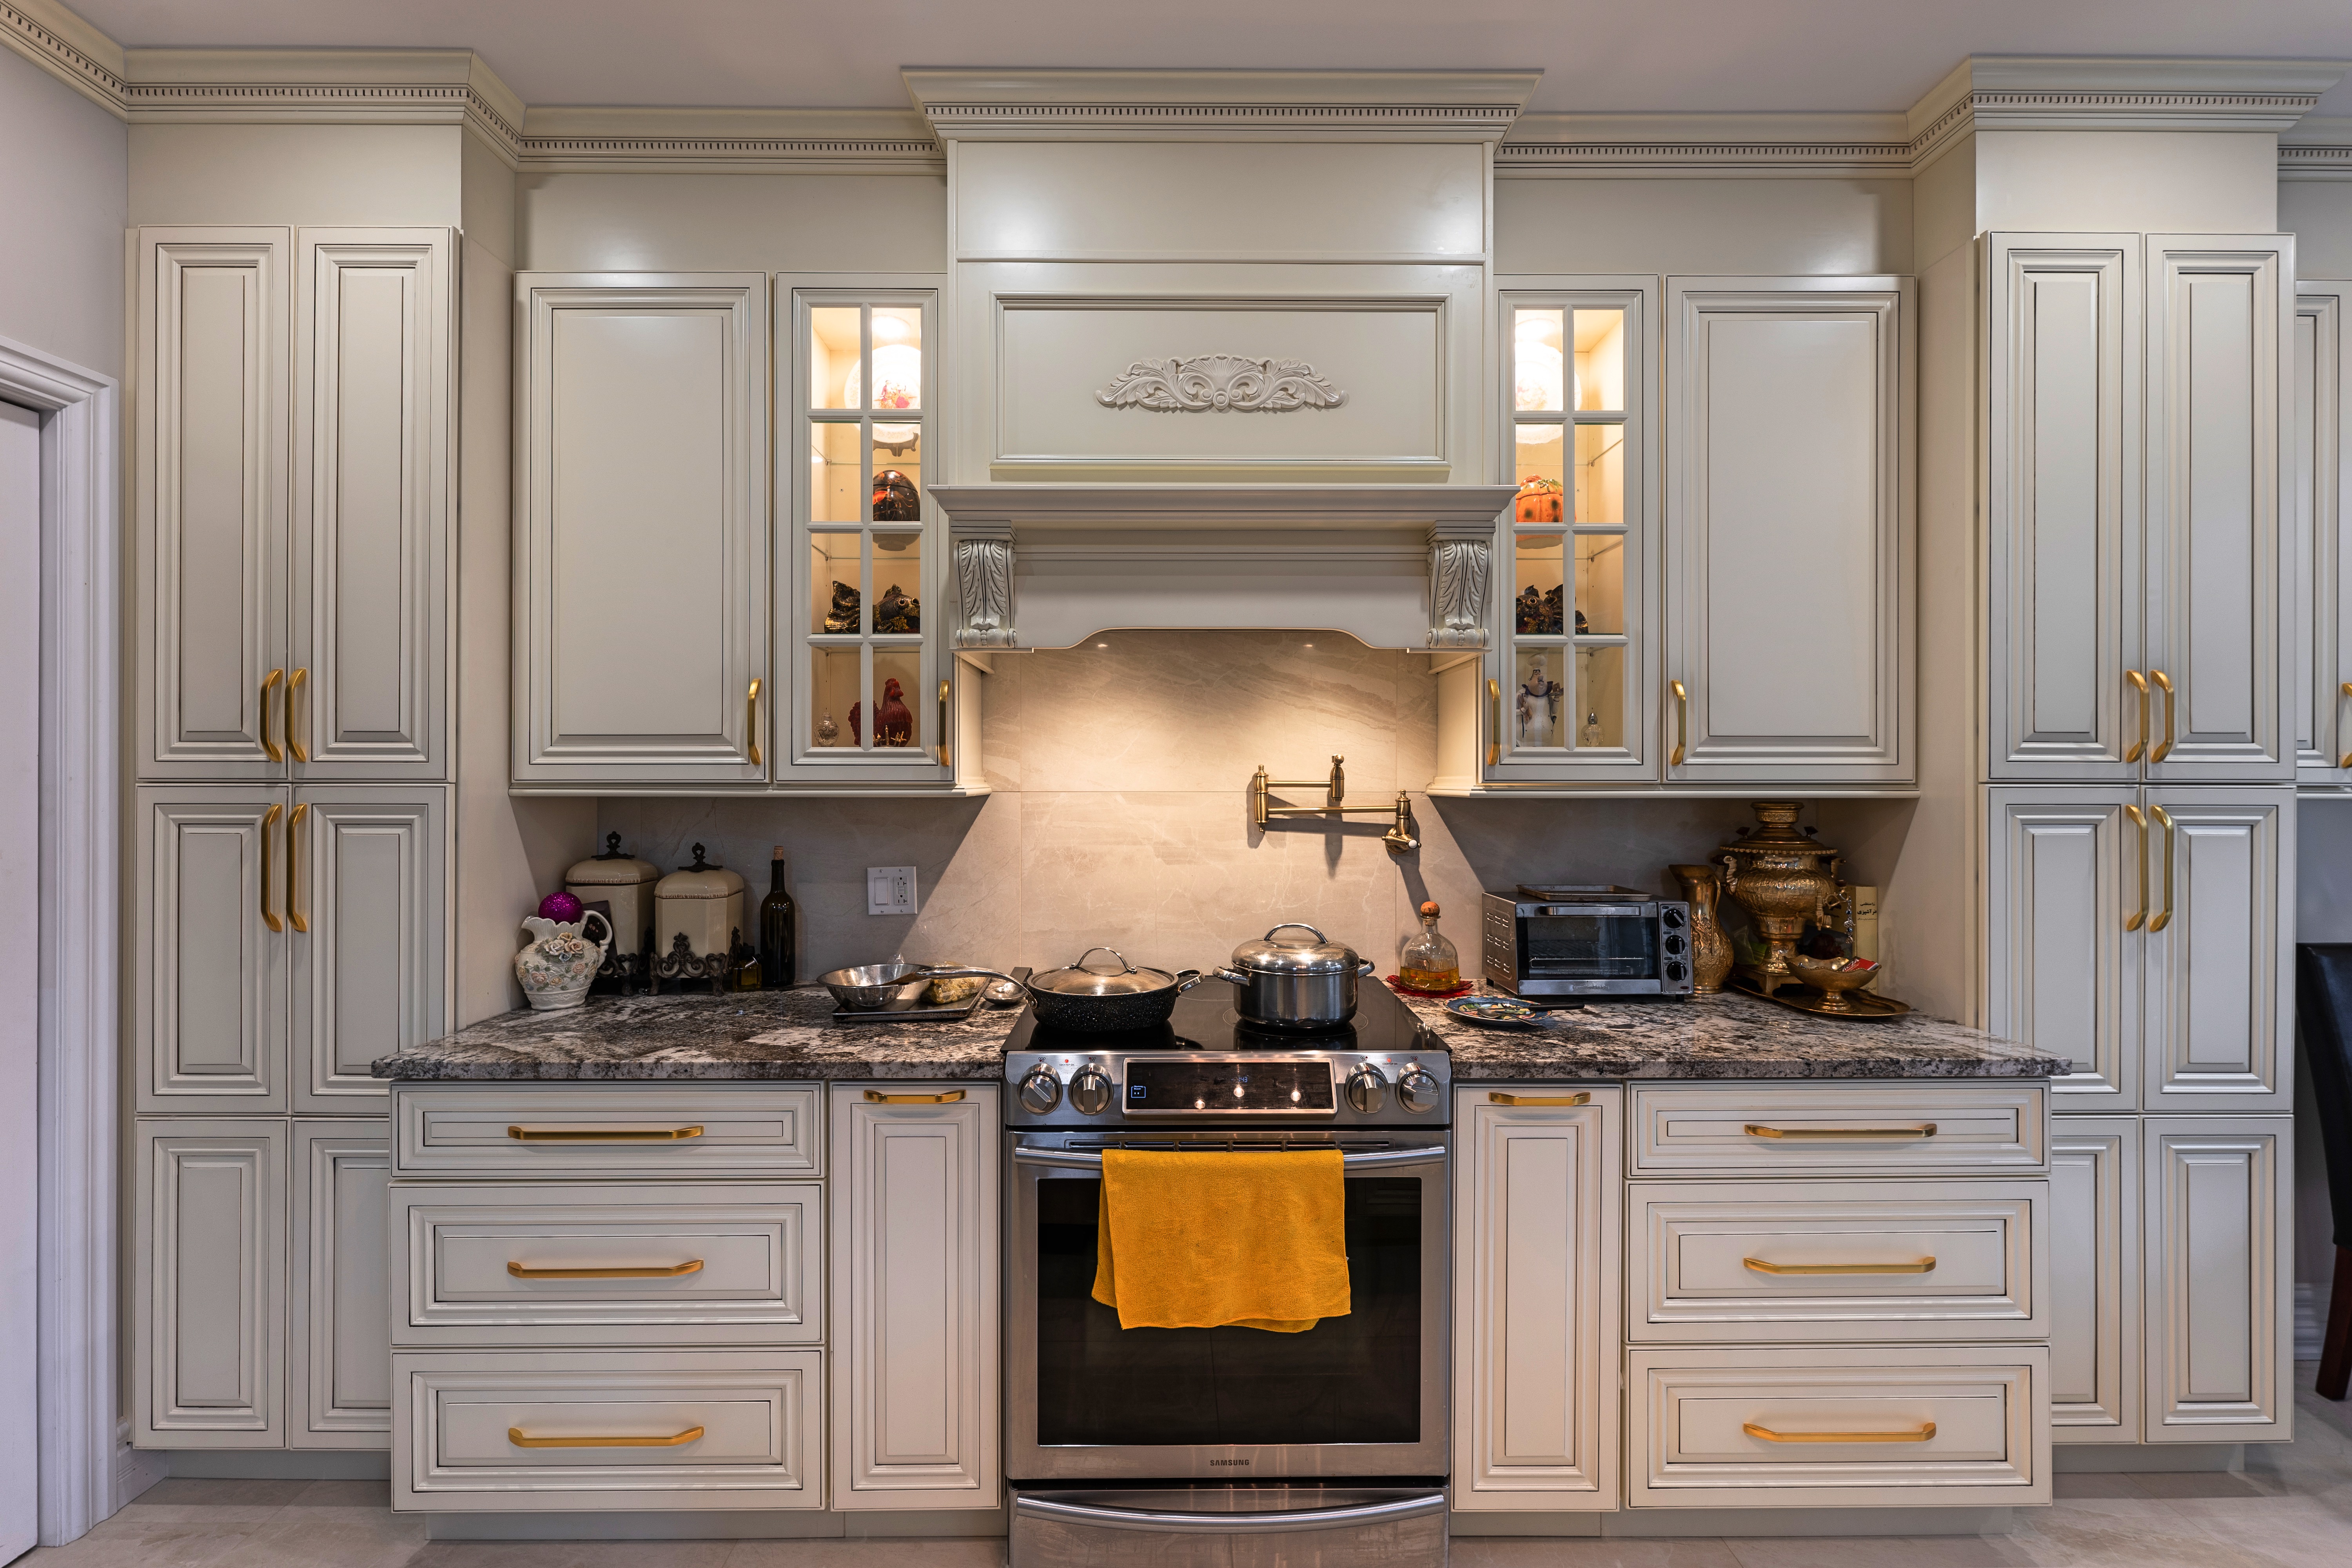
x: 1205, y: 1020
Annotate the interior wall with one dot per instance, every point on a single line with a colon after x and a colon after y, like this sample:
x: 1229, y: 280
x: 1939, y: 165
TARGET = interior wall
x: 2319, y: 213
x: 777, y: 222
x: 62, y: 191
x: 1701, y: 226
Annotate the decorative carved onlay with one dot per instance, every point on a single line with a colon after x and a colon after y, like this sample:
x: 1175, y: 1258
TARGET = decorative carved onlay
x: 1221, y: 383
x: 1459, y: 572
x: 983, y: 568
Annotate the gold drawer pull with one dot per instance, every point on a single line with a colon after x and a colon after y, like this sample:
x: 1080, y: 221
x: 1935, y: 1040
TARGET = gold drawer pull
x: 521, y: 1439
x: 1924, y: 1130
x: 875, y: 1097
x: 269, y: 747
x: 649, y: 1271
x: 604, y: 1135
x: 1923, y: 1266
x: 1580, y: 1097
x: 1927, y: 1431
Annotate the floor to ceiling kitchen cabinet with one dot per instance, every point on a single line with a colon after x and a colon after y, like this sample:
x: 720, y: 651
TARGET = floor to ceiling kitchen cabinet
x: 208, y: 1283
x: 2319, y: 653
x: 2220, y: 1281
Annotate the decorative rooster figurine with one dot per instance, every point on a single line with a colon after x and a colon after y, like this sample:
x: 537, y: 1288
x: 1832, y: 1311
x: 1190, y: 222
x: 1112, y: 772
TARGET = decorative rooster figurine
x: 894, y: 723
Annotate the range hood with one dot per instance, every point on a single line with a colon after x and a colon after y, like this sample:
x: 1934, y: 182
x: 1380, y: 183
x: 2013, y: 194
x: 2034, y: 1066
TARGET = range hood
x: 1219, y: 351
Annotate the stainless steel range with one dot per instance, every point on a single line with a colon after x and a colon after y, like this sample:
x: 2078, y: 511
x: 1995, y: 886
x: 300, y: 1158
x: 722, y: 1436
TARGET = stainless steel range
x: 1335, y: 1438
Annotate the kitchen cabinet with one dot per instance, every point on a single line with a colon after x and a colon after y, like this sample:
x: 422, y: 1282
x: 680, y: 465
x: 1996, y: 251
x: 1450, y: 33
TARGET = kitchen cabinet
x: 2063, y: 968
x: 915, y: 1263
x: 2093, y: 1282
x: 641, y: 531
x: 208, y: 1283
x: 337, y: 1332
x: 1790, y: 619
x: 2220, y: 1280
x: 1535, y: 1299
x: 2320, y: 654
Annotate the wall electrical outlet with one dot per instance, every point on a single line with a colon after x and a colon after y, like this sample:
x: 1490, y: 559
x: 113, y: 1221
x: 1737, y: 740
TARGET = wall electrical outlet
x: 889, y: 890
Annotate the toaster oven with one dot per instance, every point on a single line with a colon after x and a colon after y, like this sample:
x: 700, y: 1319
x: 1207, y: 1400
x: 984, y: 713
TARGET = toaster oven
x: 1541, y: 942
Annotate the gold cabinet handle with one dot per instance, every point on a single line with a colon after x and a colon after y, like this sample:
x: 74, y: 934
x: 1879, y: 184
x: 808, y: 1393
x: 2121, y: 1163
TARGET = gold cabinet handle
x: 269, y: 747
x: 1682, y: 724
x: 2345, y: 690
x: 2140, y: 682
x: 1924, y: 1130
x: 297, y: 682
x: 1580, y: 1097
x: 649, y: 1271
x: 1925, y: 1430
x: 751, y: 721
x: 1922, y: 1266
x: 2163, y: 917
x: 294, y: 915
x: 945, y: 757
x: 2138, y: 917
x: 875, y: 1097
x: 1495, y: 733
x: 269, y: 820
x: 2163, y: 684
x: 602, y: 1135
x: 521, y: 1439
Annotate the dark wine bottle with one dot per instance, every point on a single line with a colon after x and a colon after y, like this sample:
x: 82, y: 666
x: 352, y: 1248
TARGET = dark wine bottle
x: 778, y: 953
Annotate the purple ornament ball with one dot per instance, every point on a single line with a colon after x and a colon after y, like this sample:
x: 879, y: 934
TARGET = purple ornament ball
x: 561, y: 908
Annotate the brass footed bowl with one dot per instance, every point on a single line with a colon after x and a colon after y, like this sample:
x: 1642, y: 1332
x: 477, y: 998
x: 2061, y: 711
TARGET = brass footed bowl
x: 1832, y: 981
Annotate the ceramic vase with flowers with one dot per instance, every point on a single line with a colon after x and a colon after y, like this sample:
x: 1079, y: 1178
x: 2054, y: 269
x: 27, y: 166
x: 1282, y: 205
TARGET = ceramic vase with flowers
x: 561, y: 963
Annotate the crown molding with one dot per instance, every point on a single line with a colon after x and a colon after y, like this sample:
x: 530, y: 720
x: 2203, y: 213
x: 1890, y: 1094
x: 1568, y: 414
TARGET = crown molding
x: 66, y: 46
x: 1424, y: 106
x: 740, y: 141
x: 2318, y: 148
x: 1703, y: 146
x: 334, y: 87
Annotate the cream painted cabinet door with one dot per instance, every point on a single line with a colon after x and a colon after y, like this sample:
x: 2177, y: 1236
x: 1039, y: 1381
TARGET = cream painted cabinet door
x: 374, y: 498
x: 2221, y: 314
x: 208, y: 502
x: 208, y: 1283
x: 209, y: 949
x: 2093, y: 1288
x: 366, y: 934
x: 2220, y: 1280
x: 339, y: 1329
x: 2063, y: 507
x: 2066, y: 875
x: 1790, y: 615
x: 915, y: 1363
x: 1537, y: 1218
x: 2218, y: 1019
x: 2320, y: 655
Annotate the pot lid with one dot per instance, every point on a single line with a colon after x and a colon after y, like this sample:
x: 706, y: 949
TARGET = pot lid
x: 1079, y: 980
x: 699, y: 881
x: 611, y: 868
x: 1321, y: 956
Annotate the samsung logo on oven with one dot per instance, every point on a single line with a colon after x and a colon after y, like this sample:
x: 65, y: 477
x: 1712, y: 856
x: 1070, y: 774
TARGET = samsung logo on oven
x: 1229, y: 1461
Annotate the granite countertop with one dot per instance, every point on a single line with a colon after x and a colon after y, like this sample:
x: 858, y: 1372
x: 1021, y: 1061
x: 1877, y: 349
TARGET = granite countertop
x: 792, y: 1035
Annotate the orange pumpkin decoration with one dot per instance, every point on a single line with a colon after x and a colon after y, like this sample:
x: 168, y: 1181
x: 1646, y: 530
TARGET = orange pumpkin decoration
x: 1539, y: 501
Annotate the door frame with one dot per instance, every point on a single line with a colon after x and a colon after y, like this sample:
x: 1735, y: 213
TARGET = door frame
x: 81, y: 825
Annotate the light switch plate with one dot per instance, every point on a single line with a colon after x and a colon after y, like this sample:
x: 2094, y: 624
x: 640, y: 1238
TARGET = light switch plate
x: 889, y: 890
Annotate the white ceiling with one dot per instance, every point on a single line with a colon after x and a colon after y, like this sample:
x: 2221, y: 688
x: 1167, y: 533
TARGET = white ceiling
x: 1598, y: 55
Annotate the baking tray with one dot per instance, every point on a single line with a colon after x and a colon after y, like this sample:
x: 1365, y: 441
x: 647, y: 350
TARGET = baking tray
x: 918, y: 1012
x: 1867, y: 1008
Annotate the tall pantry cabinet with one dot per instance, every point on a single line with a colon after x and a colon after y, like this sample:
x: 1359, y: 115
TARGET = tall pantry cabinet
x: 293, y: 418
x: 2137, y: 789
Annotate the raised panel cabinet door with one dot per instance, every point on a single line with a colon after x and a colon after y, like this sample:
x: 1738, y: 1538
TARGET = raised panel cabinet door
x: 2061, y: 505
x: 338, y: 1322
x: 208, y: 1283
x: 2320, y: 654
x: 367, y: 935
x: 374, y: 501
x: 1789, y: 594
x: 2093, y: 1284
x: 2220, y: 1280
x: 2066, y: 876
x: 641, y: 529
x: 209, y: 949
x: 2218, y: 1021
x: 916, y: 1419
x: 2221, y: 317
x: 208, y: 502
x: 1534, y: 1298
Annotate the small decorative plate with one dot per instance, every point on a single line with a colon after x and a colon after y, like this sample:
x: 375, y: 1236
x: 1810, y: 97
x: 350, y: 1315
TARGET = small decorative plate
x: 1496, y: 1012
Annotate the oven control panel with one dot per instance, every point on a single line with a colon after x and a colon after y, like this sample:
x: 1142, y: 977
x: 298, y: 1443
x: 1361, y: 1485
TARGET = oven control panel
x: 1108, y: 1088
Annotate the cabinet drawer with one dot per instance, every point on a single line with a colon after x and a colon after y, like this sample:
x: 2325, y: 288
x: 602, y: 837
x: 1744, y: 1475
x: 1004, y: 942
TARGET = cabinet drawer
x: 553, y: 1263
x: 1883, y: 1426
x: 523, y: 1430
x: 1815, y: 1130
x: 606, y: 1131
x: 1836, y: 1260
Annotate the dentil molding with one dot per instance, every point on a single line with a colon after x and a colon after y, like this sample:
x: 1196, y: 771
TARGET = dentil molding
x: 965, y: 104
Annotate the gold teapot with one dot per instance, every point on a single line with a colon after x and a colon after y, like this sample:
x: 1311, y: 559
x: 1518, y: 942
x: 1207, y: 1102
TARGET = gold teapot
x: 1783, y: 879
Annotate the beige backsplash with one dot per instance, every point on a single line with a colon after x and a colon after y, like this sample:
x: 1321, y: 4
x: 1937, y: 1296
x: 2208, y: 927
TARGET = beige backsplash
x: 1121, y: 815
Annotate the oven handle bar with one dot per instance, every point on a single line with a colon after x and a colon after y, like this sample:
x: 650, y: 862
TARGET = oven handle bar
x: 1073, y: 1159
x: 1228, y: 1523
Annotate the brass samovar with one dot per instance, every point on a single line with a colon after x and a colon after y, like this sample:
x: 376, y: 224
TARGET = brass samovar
x: 1783, y: 879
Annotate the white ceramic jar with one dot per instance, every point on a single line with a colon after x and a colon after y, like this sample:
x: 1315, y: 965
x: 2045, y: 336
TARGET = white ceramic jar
x: 702, y: 903
x: 625, y: 885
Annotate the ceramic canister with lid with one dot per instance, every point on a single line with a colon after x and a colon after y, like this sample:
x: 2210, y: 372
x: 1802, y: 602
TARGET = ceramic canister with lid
x: 701, y: 902
x: 625, y: 885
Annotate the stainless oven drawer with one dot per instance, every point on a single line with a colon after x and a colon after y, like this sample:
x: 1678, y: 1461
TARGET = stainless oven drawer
x: 1212, y: 1527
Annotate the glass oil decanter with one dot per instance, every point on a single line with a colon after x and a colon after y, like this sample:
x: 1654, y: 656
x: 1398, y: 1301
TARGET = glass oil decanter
x: 1429, y: 962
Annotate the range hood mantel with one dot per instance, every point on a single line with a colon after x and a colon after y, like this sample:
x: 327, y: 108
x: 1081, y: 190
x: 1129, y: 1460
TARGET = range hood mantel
x: 1111, y: 509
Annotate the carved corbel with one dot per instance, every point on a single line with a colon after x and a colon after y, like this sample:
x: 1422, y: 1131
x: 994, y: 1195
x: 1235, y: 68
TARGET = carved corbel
x: 1461, y: 567
x: 984, y: 569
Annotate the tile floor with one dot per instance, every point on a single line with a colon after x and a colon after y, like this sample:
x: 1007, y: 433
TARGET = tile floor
x: 2291, y: 1508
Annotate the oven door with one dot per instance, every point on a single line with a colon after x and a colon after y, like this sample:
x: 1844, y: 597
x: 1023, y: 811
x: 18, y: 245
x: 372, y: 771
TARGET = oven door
x: 1362, y: 1396
x: 1593, y: 949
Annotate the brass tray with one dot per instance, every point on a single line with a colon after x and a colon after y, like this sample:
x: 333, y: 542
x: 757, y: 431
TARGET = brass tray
x: 1868, y: 1007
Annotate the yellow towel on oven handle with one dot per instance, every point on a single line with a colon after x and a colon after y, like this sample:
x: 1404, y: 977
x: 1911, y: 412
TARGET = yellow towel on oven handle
x: 1187, y: 1240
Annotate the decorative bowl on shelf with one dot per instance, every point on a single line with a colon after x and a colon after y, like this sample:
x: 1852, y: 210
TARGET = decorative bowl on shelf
x: 1830, y: 981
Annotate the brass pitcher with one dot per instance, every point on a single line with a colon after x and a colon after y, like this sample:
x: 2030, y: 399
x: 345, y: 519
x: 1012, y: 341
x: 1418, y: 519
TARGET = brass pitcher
x: 1710, y: 948
x: 1783, y: 879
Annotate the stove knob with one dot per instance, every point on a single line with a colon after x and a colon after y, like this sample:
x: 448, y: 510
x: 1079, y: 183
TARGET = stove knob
x: 1090, y: 1090
x: 1040, y: 1090
x: 1417, y: 1091
x: 1366, y: 1087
